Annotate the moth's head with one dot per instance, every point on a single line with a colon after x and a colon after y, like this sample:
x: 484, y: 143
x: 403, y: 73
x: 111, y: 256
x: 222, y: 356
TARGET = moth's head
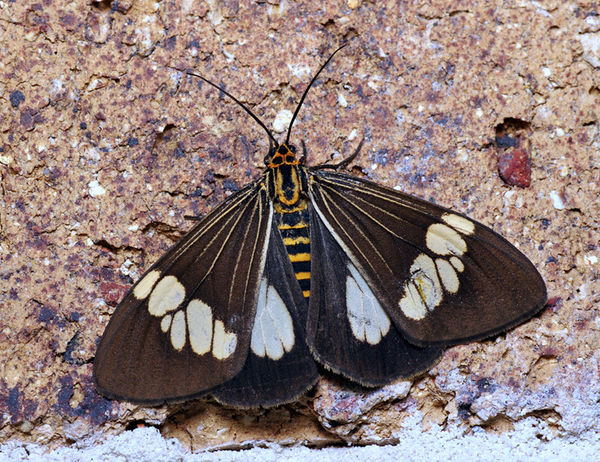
x: 282, y: 154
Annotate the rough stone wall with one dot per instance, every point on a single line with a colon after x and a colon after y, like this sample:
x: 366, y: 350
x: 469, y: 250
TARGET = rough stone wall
x: 105, y: 147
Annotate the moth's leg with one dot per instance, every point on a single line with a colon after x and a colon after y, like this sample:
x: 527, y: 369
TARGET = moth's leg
x: 304, y: 154
x: 342, y: 164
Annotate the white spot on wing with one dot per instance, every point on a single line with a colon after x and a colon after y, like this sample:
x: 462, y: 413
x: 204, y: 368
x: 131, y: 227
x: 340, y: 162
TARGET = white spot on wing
x: 443, y: 240
x: 425, y: 278
x: 165, y: 323
x: 143, y: 288
x: 425, y: 285
x: 368, y: 320
x: 412, y: 304
x: 166, y: 296
x: 224, y: 343
x: 273, y: 330
x: 459, y: 223
x: 447, y: 275
x: 423, y: 291
x: 257, y: 343
x: 460, y: 267
x: 200, y: 326
x: 178, y: 331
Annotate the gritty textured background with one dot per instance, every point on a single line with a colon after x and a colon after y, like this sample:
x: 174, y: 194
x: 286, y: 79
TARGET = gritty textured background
x: 105, y: 147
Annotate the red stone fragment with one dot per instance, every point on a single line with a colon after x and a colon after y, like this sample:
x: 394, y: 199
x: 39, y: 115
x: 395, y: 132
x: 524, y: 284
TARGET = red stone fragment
x: 554, y: 304
x: 515, y: 168
x: 113, y: 293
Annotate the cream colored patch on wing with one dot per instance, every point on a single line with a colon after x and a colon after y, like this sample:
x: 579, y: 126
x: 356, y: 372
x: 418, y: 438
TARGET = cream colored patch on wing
x: 168, y: 294
x: 412, y: 304
x: 447, y: 275
x: 458, y: 264
x: 368, y: 320
x: 424, y: 284
x: 424, y: 290
x: 425, y: 279
x: 165, y: 323
x: 459, y: 223
x: 273, y: 330
x: 178, y: 331
x: 443, y: 240
x: 200, y: 326
x: 224, y: 342
x: 142, y: 289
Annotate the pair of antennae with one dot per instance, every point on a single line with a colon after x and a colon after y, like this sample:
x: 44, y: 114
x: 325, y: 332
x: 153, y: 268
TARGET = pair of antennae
x: 287, y: 139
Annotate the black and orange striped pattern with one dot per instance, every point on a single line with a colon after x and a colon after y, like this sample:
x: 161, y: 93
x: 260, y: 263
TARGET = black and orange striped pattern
x: 291, y: 211
x: 293, y: 225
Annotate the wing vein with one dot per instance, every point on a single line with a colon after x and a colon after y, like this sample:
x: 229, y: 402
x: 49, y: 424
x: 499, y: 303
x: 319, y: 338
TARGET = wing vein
x: 398, y: 198
x: 226, y: 240
x: 327, y: 204
x: 214, y: 221
x: 371, y: 217
x: 258, y: 205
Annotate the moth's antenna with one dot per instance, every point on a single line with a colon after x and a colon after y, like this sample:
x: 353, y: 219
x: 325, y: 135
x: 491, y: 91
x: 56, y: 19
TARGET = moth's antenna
x: 287, y: 139
x: 239, y: 103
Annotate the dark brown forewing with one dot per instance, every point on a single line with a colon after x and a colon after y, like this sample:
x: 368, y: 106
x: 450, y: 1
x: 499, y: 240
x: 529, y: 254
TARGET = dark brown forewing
x: 371, y: 360
x: 217, y: 263
x: 265, y: 381
x: 385, y: 231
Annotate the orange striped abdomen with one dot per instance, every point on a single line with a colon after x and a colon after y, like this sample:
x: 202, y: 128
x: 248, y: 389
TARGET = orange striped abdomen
x: 293, y: 225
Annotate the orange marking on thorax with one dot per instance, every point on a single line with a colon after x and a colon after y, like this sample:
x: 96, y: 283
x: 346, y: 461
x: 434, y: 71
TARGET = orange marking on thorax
x: 282, y: 156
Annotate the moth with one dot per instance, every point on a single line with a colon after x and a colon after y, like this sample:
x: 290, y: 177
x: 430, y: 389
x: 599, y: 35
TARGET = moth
x: 308, y: 268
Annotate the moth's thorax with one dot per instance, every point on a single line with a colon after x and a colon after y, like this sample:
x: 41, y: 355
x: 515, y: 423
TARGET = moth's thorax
x: 287, y: 179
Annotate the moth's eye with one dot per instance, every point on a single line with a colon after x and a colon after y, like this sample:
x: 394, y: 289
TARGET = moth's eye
x: 292, y: 148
